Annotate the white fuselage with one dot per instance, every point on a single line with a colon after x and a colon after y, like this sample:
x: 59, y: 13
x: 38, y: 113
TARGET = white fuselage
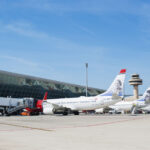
x: 84, y: 103
x: 127, y: 106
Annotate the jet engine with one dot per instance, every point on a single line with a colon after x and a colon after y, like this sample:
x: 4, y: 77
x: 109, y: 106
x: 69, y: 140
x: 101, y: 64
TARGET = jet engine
x: 48, y: 108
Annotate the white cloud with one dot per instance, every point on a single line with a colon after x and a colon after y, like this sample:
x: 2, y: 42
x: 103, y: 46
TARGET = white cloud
x: 20, y: 64
x: 20, y: 60
x: 25, y: 29
x: 85, y: 6
x: 85, y: 29
x: 96, y: 7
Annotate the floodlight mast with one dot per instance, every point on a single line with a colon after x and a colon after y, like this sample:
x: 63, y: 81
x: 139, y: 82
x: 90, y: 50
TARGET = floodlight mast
x: 86, y: 65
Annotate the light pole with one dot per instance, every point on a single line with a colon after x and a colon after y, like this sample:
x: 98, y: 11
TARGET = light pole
x: 86, y: 65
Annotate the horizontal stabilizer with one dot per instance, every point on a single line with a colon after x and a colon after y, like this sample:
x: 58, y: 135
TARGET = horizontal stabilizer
x: 116, y: 97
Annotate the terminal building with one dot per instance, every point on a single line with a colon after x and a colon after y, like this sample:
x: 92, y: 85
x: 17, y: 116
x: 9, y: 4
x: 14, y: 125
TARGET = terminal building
x: 17, y: 86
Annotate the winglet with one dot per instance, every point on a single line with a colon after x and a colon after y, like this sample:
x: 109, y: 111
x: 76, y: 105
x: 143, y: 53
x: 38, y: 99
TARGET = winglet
x: 123, y: 71
x: 45, y: 96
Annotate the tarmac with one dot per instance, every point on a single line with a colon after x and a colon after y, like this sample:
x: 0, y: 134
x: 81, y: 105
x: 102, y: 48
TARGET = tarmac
x: 83, y: 132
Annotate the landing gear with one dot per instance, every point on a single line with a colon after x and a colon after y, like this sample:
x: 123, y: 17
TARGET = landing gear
x: 76, y: 113
x: 65, y: 113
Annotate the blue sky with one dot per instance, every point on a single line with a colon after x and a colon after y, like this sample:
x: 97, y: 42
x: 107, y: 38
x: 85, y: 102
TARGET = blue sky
x: 54, y: 38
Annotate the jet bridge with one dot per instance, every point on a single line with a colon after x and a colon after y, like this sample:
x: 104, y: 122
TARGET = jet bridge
x: 9, y: 106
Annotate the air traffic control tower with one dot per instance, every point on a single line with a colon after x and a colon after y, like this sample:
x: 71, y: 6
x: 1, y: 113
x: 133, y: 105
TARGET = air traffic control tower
x: 135, y: 81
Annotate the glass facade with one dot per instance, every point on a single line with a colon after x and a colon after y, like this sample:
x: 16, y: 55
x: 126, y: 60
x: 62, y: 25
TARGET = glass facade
x: 18, y: 86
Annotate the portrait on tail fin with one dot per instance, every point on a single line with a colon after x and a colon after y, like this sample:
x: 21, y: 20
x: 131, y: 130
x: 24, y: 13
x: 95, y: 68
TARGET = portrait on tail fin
x: 147, y: 96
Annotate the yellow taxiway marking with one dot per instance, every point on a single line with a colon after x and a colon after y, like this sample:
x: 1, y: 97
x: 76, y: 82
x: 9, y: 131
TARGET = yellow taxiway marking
x: 27, y: 127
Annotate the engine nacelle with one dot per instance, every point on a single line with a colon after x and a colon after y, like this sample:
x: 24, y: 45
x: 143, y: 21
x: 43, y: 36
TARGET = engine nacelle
x: 48, y: 108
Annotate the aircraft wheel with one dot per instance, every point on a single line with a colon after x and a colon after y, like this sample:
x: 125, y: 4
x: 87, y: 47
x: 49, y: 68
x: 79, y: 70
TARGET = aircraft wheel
x: 65, y: 113
x: 76, y: 113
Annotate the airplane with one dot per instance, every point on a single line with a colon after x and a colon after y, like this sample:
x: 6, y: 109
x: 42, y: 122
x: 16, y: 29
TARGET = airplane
x: 132, y: 106
x: 65, y: 106
x: 146, y: 109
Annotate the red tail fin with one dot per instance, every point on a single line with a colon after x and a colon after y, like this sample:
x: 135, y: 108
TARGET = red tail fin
x: 45, y: 96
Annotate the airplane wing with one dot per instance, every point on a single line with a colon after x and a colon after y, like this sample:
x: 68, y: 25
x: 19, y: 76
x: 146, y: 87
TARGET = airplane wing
x: 146, y: 108
x: 55, y: 105
x: 116, y: 97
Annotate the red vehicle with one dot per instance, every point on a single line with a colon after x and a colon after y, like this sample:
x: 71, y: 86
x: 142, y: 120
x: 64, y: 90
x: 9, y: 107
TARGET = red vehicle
x: 37, y: 110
